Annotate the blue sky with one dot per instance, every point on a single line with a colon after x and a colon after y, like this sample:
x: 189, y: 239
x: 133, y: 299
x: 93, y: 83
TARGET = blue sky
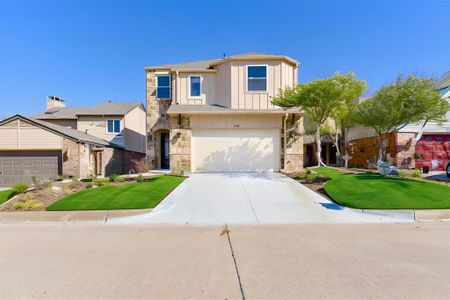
x: 92, y: 51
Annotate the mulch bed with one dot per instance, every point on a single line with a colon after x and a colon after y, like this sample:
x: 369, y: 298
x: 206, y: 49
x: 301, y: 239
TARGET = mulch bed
x: 49, y: 196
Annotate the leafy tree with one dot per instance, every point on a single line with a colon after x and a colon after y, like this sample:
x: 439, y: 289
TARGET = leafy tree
x: 406, y: 101
x: 320, y: 99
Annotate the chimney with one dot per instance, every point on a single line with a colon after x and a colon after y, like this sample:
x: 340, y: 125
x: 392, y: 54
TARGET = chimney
x: 55, y: 102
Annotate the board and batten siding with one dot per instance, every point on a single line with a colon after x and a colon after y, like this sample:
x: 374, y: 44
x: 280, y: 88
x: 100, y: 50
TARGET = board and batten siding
x: 19, y: 134
x: 279, y: 76
x: 236, y: 122
x: 207, y: 93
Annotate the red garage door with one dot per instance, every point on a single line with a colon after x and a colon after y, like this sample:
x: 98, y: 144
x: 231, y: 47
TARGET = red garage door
x: 434, y: 150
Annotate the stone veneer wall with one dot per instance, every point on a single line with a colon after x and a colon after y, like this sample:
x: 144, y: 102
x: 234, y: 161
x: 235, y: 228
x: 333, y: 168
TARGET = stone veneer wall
x: 294, y: 144
x: 180, y: 144
x: 156, y: 118
x: 70, y: 158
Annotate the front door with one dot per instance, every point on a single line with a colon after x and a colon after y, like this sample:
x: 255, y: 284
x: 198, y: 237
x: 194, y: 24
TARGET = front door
x: 165, y: 162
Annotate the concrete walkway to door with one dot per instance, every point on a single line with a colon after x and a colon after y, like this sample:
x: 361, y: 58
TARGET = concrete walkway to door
x: 250, y: 198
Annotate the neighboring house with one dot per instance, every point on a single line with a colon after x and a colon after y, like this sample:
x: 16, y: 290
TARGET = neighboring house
x: 217, y: 116
x: 72, y: 141
x: 432, y: 150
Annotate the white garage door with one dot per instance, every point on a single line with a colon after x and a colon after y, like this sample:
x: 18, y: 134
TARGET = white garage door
x: 235, y: 150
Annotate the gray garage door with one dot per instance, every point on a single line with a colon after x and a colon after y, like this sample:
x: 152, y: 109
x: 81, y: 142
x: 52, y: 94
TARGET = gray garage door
x: 20, y: 166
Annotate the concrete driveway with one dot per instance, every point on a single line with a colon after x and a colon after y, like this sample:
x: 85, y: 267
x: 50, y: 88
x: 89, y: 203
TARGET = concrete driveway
x: 250, y: 198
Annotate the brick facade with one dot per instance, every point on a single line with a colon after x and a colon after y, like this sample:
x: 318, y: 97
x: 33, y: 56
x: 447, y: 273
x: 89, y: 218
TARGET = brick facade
x: 399, y: 147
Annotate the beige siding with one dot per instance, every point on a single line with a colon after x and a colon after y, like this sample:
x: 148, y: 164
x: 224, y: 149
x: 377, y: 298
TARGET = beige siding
x: 135, y: 130
x: 279, y: 76
x: 235, y: 121
x: 22, y: 135
x: 224, y: 89
x: 96, y: 126
x: 208, y: 89
x: 64, y: 123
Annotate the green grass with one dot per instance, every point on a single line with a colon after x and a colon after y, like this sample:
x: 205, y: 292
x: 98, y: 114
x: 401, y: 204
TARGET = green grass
x: 373, y: 191
x: 6, y: 195
x: 129, y: 196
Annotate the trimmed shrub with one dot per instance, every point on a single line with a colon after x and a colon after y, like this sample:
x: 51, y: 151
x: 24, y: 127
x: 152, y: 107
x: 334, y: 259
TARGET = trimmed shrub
x: 116, y: 178
x: 416, y: 174
x: 309, y: 178
x: 88, y: 179
x: 140, y: 178
x: 300, y: 175
x: 21, y: 187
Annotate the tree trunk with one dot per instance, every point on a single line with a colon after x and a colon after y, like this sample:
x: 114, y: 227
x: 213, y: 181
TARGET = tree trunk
x: 318, y: 148
x: 346, y: 146
x: 380, y: 147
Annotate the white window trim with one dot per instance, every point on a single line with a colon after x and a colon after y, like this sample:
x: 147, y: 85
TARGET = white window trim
x: 189, y: 87
x: 246, y: 78
x: 113, y: 133
x: 170, y: 86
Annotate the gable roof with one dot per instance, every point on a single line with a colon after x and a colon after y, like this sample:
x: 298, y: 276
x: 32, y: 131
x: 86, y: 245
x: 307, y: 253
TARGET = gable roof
x: 69, y: 133
x: 211, y: 63
x: 103, y: 108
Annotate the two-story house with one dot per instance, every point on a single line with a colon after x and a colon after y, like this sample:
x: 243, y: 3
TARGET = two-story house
x: 217, y: 116
x: 72, y: 141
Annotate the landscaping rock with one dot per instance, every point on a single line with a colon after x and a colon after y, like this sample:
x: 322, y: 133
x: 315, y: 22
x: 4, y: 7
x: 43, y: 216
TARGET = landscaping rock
x: 56, y: 189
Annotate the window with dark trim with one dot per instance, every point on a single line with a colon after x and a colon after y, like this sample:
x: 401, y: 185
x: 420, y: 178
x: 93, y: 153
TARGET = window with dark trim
x: 113, y: 126
x: 195, y: 83
x: 163, y: 86
x: 256, y: 78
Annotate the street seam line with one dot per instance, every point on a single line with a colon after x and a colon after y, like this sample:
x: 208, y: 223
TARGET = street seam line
x: 235, y: 263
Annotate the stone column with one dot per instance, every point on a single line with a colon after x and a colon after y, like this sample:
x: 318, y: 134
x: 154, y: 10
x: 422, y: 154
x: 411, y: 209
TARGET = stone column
x: 294, y: 145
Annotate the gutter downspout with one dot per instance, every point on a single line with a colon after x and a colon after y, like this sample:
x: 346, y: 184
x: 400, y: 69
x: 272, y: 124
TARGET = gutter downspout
x: 285, y: 141
x: 175, y: 100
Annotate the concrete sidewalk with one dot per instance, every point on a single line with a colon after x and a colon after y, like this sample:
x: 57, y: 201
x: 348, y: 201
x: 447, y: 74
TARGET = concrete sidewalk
x: 327, y: 261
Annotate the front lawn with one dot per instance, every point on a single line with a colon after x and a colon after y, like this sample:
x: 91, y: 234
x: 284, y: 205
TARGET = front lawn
x: 129, y: 196
x: 6, y: 195
x: 373, y: 191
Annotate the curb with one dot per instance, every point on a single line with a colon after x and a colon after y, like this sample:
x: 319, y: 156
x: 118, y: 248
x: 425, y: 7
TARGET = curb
x: 87, y: 216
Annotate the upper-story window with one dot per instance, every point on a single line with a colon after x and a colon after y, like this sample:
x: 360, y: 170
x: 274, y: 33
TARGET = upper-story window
x: 195, y: 86
x: 256, y: 78
x: 163, y: 86
x: 113, y: 126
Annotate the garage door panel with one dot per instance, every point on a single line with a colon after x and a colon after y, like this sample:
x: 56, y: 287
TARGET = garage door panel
x: 238, y: 150
x: 20, y: 166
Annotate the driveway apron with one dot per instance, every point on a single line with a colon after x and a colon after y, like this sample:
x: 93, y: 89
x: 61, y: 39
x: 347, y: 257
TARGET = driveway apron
x: 249, y: 198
